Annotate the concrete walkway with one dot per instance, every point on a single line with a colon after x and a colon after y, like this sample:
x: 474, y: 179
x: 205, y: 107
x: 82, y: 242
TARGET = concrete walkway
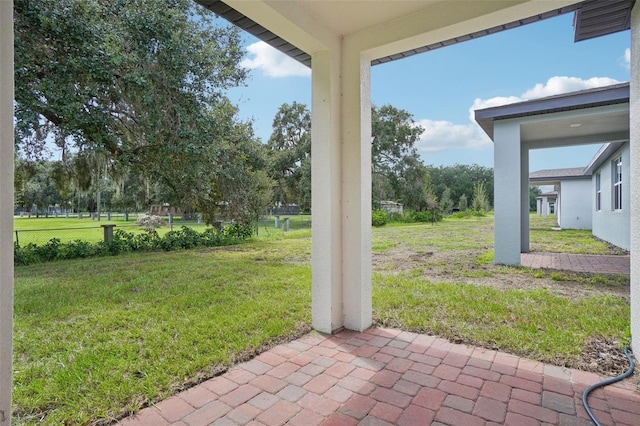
x: 385, y: 376
x: 577, y: 262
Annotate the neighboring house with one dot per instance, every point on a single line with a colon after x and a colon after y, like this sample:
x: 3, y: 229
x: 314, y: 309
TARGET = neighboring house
x: 610, y: 194
x: 594, y: 197
x: 571, y: 198
x: 594, y: 116
x: 546, y: 203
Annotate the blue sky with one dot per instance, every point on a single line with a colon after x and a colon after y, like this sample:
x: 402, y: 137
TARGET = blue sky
x: 440, y: 88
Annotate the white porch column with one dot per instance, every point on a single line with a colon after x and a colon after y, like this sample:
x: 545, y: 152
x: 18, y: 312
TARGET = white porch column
x: 356, y: 189
x: 524, y: 199
x: 507, y: 192
x: 557, y: 209
x: 634, y: 181
x: 341, y: 191
x: 6, y: 207
x: 326, y: 171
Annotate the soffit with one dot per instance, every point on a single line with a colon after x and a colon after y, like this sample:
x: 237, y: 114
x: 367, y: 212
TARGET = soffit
x: 576, y: 127
x: 344, y: 18
x: 593, y: 18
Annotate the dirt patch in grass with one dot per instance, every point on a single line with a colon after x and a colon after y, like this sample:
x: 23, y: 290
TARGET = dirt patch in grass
x: 462, y: 266
x: 600, y: 355
x: 605, y: 356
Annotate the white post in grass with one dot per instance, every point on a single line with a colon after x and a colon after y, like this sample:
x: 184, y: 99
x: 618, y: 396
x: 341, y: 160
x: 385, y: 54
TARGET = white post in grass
x: 6, y: 207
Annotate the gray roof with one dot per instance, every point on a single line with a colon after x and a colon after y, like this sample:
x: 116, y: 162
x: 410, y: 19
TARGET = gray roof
x: 596, y: 18
x: 603, y: 154
x: 556, y: 175
x: 552, y: 194
x: 589, y: 98
x: 593, y: 18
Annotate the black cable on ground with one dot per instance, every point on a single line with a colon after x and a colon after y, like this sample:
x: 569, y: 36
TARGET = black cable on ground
x: 624, y: 375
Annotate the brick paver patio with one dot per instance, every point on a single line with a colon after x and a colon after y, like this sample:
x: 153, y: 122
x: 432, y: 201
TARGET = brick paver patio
x: 577, y: 262
x: 386, y: 376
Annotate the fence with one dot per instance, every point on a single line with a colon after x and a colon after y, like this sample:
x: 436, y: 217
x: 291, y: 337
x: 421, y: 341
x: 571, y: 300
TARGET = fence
x: 89, y: 230
x: 284, y: 223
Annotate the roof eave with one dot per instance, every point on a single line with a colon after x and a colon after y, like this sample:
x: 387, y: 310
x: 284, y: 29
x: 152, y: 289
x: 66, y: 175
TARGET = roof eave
x: 590, y: 98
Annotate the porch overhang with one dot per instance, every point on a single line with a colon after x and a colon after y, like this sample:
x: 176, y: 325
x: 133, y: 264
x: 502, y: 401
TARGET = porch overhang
x: 593, y: 18
x: 602, y: 111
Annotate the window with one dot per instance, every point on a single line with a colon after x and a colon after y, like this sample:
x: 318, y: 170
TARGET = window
x: 598, y: 193
x: 616, y: 167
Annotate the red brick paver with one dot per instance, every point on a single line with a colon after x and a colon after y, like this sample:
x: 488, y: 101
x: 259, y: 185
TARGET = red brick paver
x: 382, y: 377
x: 591, y: 263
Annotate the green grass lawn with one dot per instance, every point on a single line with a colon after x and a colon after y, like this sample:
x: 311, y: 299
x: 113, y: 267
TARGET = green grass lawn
x: 141, y: 326
x: 98, y: 338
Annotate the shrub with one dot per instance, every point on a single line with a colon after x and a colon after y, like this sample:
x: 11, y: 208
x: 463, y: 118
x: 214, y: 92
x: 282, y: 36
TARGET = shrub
x: 25, y: 255
x: 467, y: 214
x: 480, y: 201
x: 379, y: 218
x: 239, y: 231
x: 77, y: 249
x: 397, y: 217
x: 421, y: 216
x: 122, y: 241
x: 425, y: 216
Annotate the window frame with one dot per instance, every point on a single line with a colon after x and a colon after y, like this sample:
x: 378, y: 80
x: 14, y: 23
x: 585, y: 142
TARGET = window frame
x: 616, y: 183
x: 598, y: 178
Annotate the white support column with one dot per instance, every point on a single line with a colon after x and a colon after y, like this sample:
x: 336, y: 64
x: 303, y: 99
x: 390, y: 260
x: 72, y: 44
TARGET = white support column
x: 341, y: 191
x: 507, y: 189
x: 557, y: 208
x: 634, y: 181
x: 6, y: 208
x: 356, y: 189
x: 524, y: 200
x: 326, y: 171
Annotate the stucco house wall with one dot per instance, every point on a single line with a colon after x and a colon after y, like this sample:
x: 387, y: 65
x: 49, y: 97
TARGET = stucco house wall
x: 609, y: 224
x: 576, y: 204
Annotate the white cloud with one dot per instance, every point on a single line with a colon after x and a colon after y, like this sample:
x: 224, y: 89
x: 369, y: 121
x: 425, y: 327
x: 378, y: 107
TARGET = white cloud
x: 272, y: 62
x: 562, y: 84
x: 444, y: 135
x: 492, y: 102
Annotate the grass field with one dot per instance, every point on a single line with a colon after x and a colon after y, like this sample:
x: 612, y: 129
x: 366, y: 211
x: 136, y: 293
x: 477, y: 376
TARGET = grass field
x: 91, y: 347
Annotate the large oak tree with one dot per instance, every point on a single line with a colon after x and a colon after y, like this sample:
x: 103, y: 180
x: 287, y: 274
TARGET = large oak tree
x: 132, y: 86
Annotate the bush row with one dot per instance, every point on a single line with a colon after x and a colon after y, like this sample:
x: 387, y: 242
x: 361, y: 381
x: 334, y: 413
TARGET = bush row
x: 381, y: 218
x: 123, y: 242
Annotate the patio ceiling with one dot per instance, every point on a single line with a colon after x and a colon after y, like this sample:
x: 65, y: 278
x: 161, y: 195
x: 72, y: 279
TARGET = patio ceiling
x: 344, y: 18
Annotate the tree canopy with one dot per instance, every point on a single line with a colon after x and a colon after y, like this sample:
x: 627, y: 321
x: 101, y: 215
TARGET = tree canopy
x: 133, y: 86
x: 289, y: 150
